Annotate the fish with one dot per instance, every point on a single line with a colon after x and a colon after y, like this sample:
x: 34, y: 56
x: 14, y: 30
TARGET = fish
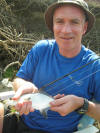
x: 40, y: 101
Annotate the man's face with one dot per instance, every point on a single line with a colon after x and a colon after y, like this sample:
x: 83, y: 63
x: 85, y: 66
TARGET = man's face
x: 69, y: 26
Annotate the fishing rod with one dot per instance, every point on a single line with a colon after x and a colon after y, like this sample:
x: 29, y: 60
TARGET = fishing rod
x: 70, y: 77
x: 82, y: 79
x: 66, y: 76
x: 52, y: 82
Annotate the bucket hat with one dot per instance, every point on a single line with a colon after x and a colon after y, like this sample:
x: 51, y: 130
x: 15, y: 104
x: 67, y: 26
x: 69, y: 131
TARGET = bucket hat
x: 80, y: 3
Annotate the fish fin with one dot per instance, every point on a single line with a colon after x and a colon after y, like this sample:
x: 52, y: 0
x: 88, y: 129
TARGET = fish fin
x: 41, y: 90
x: 44, y: 112
x: 45, y: 93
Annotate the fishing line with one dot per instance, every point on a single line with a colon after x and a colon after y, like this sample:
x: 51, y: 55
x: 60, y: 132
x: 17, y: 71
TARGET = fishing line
x: 69, y: 78
x: 69, y: 73
x: 79, y: 80
x: 58, y: 92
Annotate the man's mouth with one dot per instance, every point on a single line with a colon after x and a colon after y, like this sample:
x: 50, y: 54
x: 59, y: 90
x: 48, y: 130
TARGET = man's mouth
x: 67, y: 38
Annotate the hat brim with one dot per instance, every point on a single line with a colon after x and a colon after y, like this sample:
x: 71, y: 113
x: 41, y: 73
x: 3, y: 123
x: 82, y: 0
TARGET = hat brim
x: 50, y: 11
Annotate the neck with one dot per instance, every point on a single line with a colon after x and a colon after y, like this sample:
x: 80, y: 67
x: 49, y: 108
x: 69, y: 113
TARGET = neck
x: 70, y: 53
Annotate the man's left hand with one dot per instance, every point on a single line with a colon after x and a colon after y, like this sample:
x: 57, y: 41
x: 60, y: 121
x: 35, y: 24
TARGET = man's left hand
x: 66, y: 104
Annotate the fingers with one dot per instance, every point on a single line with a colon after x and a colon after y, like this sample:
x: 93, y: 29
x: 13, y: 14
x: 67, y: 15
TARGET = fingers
x: 24, y: 108
x: 58, y: 102
x: 66, y: 104
x: 62, y: 106
x: 24, y: 89
x: 17, y: 94
x: 60, y: 109
x: 58, y: 96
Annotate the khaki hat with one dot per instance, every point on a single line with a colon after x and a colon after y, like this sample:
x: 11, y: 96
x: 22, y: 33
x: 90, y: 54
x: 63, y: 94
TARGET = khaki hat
x: 80, y: 3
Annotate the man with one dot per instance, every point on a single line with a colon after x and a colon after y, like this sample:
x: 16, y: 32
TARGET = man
x: 49, y: 60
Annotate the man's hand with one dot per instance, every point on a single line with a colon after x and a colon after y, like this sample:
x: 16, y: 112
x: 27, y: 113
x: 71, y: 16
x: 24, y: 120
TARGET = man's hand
x: 66, y: 104
x: 24, y: 107
x: 27, y: 87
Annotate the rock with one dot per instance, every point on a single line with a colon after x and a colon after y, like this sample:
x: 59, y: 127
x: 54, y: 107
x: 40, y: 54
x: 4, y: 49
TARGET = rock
x: 5, y: 85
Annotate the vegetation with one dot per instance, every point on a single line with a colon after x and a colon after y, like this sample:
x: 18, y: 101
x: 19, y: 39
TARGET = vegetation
x: 22, y: 25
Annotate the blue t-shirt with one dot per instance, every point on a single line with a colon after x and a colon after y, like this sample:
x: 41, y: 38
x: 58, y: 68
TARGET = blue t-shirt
x: 44, y: 64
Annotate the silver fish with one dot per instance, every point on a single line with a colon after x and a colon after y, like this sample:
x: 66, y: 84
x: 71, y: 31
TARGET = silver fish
x: 40, y: 101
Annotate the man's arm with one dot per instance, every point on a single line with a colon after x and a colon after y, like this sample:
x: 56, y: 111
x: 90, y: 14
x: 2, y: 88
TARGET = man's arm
x: 69, y: 103
x: 19, y: 82
x: 94, y: 110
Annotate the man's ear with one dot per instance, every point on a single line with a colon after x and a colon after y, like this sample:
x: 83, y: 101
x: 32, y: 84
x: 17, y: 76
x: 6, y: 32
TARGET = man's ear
x: 85, y: 27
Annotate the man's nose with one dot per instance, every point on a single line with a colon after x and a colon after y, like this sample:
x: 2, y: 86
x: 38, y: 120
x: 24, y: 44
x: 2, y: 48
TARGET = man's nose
x: 67, y: 28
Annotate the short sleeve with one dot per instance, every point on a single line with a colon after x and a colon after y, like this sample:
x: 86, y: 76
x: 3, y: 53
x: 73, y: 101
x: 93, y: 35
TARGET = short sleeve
x: 96, y: 81
x: 27, y: 69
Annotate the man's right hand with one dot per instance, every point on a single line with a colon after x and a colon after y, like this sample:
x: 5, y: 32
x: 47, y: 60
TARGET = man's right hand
x: 24, y: 107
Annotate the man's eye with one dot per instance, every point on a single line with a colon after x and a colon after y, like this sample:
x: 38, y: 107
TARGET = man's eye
x: 75, y: 22
x: 59, y: 22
